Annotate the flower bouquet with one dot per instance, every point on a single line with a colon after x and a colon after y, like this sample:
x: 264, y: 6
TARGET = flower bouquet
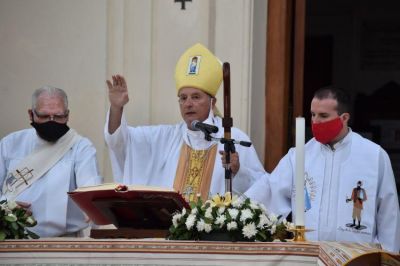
x: 234, y: 219
x: 14, y: 221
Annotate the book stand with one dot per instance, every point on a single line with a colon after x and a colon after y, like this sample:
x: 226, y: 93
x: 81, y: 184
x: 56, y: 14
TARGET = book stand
x: 135, y: 214
x: 136, y: 218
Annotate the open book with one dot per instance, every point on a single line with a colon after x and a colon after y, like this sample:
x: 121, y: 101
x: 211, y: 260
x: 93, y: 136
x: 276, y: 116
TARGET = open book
x: 139, y: 207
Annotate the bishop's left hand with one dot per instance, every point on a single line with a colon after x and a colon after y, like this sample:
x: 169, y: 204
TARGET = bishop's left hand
x: 234, y: 164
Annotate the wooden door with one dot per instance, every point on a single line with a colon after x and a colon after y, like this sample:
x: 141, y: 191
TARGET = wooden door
x: 284, y: 76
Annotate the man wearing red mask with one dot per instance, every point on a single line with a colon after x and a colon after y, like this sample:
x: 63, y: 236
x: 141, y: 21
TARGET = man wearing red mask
x: 335, y: 159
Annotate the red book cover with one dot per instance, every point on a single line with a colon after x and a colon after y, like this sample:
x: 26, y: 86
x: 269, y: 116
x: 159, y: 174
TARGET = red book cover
x: 139, y: 207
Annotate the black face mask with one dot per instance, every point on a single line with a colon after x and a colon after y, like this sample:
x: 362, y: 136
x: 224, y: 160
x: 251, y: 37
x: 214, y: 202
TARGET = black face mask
x: 50, y: 131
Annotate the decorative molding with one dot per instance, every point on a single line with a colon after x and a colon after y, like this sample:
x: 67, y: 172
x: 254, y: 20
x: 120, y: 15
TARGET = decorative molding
x: 161, y: 246
x: 69, y: 251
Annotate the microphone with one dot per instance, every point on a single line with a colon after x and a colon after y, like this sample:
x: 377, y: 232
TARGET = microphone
x: 206, y: 128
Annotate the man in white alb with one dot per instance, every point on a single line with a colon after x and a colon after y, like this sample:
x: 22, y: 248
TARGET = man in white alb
x: 336, y: 159
x: 177, y: 156
x: 38, y: 166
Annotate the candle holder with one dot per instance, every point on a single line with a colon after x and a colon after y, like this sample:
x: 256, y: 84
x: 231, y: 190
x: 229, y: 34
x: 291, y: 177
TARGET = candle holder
x: 299, y: 233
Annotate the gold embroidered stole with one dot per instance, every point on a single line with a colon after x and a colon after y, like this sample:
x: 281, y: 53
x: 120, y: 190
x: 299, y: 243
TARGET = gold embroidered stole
x: 194, y: 172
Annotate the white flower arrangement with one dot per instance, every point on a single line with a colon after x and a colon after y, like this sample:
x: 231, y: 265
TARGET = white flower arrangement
x: 234, y: 218
x: 14, y: 221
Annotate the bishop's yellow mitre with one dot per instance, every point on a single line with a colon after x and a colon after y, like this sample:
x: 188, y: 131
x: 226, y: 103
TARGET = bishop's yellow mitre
x: 198, y: 68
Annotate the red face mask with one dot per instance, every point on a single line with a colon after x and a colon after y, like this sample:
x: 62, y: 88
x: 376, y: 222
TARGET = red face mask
x: 325, y: 132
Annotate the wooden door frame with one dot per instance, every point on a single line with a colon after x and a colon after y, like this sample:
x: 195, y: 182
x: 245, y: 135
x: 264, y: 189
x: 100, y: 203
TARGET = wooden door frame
x: 284, y: 76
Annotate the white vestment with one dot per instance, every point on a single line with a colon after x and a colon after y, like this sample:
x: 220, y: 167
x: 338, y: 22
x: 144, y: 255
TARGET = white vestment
x: 330, y: 176
x: 149, y: 155
x: 54, y: 211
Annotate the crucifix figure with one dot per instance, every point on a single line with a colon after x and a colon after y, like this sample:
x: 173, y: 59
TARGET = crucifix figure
x: 183, y: 3
x: 188, y: 191
x: 25, y: 173
x: 14, y: 182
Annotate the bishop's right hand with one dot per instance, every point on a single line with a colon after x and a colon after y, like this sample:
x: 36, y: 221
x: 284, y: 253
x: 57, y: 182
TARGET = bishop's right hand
x: 117, y: 91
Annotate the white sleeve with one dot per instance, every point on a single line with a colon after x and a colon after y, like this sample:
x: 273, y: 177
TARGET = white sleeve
x: 388, y: 214
x: 86, y: 167
x: 251, y: 169
x: 260, y: 191
x: 274, y: 190
x: 117, y: 144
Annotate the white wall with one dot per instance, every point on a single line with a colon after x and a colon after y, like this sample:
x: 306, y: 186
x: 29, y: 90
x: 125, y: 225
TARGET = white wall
x: 257, y: 106
x: 76, y: 45
x: 59, y: 43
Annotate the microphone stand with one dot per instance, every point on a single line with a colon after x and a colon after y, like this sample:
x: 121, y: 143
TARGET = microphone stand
x: 229, y: 147
x: 225, y: 141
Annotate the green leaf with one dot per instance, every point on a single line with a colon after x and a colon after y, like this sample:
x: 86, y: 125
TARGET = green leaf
x: 208, y: 220
x: 20, y: 212
x: 247, y: 202
x: 32, y: 234
x: 172, y: 229
x: 2, y: 235
x: 14, y: 226
x: 199, y: 202
x: 10, y: 218
x: 192, y: 205
x: 262, y: 235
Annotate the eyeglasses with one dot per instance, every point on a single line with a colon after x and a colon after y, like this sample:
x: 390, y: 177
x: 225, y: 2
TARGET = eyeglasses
x: 45, y: 117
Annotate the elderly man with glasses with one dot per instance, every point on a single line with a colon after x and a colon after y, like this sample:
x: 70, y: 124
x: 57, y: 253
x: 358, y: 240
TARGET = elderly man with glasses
x: 178, y: 156
x: 38, y: 166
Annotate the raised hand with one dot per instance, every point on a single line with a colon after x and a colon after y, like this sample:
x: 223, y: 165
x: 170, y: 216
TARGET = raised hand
x: 117, y: 91
x: 118, y: 96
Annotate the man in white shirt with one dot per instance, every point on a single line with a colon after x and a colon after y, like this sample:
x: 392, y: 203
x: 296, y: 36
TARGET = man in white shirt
x: 336, y: 159
x: 178, y: 156
x: 38, y: 166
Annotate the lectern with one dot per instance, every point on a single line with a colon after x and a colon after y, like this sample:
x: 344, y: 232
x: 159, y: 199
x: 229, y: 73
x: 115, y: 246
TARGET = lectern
x: 136, y: 212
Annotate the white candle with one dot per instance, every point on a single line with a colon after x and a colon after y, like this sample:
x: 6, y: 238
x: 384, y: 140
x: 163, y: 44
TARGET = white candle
x: 299, y: 178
